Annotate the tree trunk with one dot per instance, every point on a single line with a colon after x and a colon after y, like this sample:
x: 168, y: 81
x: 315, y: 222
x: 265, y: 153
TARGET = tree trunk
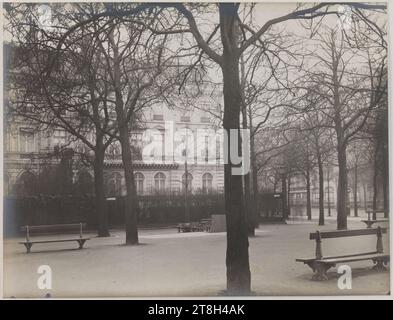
x: 237, y: 259
x: 385, y: 185
x: 131, y: 206
x: 375, y: 183
x: 247, y: 187
x: 254, y: 173
x: 342, y: 188
x: 284, y: 196
x: 355, y: 191
x: 289, y: 196
x: 365, y: 196
x: 102, y: 214
x: 247, y: 206
x: 321, y: 191
x: 328, y: 195
x: 308, y: 188
x: 98, y: 166
x: 342, y: 185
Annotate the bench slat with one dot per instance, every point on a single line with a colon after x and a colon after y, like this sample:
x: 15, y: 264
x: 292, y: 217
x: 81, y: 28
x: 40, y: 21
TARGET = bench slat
x: 53, y: 227
x: 57, y: 240
x: 350, y: 259
x: 346, y: 233
x: 336, y: 257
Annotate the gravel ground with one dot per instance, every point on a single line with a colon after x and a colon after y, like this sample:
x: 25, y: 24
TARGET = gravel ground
x: 167, y: 263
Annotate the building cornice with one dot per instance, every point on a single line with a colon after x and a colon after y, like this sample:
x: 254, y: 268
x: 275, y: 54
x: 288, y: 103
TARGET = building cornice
x: 141, y: 165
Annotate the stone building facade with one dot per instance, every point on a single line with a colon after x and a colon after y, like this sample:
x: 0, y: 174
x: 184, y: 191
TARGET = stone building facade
x: 27, y: 153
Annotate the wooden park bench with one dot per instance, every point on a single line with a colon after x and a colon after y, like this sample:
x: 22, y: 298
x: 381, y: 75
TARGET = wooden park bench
x: 320, y: 264
x: 190, y: 227
x: 372, y: 218
x: 372, y: 214
x: 206, y: 224
x: 370, y: 223
x: 54, y: 229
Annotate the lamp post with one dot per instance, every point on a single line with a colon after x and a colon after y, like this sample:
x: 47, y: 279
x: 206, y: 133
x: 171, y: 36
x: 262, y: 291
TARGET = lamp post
x: 186, y: 207
x: 282, y: 171
x: 328, y: 195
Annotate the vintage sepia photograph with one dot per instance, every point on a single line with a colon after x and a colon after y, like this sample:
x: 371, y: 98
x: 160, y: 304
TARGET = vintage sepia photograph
x: 199, y: 149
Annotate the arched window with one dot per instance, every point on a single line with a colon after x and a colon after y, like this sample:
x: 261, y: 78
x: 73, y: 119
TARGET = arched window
x: 159, y: 181
x: 207, y: 182
x: 139, y: 178
x: 114, y: 184
x: 188, y: 182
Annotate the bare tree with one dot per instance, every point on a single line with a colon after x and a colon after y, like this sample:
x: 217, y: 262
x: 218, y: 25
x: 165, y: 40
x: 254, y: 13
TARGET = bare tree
x: 358, y: 158
x: 351, y: 89
x: 316, y: 128
x: 225, y: 50
x: 76, y: 101
x: 137, y: 65
x: 106, y: 75
x: 376, y: 131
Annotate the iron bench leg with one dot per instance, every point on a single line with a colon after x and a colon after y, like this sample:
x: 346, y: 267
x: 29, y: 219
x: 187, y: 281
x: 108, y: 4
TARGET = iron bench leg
x: 380, y: 264
x: 320, y: 271
x: 81, y: 242
x: 311, y: 264
x: 28, y: 246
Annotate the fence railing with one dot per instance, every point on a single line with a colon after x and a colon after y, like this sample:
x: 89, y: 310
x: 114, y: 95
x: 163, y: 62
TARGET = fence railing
x: 72, y: 209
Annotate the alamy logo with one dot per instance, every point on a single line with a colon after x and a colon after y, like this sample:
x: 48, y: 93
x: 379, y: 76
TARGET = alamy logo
x: 345, y: 280
x: 202, y: 146
x: 345, y: 17
x: 45, y: 279
x: 45, y: 19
